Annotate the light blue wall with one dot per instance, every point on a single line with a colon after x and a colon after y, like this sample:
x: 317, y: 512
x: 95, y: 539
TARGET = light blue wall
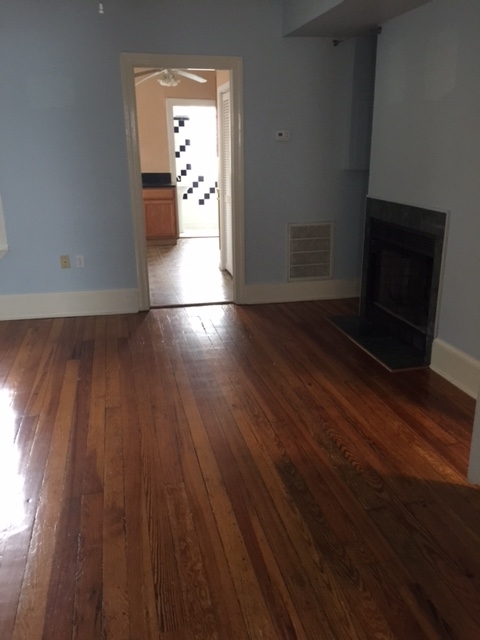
x: 426, y: 142
x: 63, y: 165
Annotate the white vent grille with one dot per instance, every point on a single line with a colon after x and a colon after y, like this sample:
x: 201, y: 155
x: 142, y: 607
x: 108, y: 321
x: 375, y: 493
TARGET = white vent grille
x: 310, y: 251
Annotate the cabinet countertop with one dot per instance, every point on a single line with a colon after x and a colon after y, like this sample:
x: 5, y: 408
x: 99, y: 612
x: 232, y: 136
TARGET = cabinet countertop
x: 163, y: 186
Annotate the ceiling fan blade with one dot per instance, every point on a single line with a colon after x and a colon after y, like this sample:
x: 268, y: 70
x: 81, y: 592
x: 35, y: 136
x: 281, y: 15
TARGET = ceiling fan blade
x: 189, y: 75
x: 145, y: 72
x: 150, y: 73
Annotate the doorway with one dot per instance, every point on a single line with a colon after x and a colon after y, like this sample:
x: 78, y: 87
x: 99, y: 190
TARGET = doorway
x: 190, y: 272
x: 234, y: 66
x: 193, y: 151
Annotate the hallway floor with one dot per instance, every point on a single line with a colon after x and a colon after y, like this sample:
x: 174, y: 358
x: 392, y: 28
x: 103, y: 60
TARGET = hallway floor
x: 187, y: 273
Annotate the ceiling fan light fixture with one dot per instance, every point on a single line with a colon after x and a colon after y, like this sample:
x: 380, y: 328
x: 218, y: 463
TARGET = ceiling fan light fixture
x: 168, y: 78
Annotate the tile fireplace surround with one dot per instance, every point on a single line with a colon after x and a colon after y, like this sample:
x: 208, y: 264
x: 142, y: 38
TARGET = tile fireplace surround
x: 402, y: 259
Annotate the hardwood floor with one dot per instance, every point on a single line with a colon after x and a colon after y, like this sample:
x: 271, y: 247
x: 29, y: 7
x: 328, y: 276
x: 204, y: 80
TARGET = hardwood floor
x: 227, y: 472
x: 187, y: 273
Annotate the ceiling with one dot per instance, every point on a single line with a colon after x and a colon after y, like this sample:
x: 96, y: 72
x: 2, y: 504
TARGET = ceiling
x: 355, y: 17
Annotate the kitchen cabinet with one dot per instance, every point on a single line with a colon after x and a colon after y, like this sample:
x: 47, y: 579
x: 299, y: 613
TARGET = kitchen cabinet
x: 160, y: 211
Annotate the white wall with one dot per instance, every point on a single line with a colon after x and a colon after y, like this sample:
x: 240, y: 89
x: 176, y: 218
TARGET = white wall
x: 63, y: 167
x: 426, y: 143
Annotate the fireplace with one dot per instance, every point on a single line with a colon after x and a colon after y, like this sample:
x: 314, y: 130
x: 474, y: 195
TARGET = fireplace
x: 402, y: 258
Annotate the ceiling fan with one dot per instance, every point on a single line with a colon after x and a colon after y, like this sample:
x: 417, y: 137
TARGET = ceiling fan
x: 166, y: 77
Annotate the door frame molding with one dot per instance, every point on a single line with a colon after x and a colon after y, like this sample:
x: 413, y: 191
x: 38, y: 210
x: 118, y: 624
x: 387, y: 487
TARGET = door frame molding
x: 234, y: 64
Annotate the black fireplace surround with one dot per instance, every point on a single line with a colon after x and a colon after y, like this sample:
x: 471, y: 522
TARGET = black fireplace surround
x: 402, y: 260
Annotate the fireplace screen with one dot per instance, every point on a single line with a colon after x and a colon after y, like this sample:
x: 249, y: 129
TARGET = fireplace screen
x: 402, y: 285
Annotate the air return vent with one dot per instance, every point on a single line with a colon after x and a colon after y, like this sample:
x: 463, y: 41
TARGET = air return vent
x: 310, y: 251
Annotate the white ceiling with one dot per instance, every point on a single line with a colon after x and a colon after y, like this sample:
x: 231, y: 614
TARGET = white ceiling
x: 354, y: 17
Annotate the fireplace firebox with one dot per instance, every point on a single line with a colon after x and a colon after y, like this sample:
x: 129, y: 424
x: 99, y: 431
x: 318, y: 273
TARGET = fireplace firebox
x: 403, y: 248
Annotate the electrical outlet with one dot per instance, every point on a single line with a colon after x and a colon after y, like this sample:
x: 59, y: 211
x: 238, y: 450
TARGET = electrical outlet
x: 79, y: 261
x: 65, y: 262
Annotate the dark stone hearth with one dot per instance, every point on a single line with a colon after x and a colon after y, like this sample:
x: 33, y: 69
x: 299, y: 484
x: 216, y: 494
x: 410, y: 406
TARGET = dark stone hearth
x: 380, y: 343
x: 403, y: 248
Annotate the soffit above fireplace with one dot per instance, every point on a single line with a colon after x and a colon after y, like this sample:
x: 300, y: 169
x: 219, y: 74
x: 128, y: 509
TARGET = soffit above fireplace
x: 341, y: 18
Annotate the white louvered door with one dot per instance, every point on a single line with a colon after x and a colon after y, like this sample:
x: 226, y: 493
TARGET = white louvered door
x: 225, y: 179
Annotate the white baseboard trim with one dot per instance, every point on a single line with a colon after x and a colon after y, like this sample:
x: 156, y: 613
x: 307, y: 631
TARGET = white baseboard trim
x: 71, y: 303
x: 456, y: 366
x: 300, y: 291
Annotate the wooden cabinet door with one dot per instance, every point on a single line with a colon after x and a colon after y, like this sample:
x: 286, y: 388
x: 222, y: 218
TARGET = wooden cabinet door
x: 160, y: 214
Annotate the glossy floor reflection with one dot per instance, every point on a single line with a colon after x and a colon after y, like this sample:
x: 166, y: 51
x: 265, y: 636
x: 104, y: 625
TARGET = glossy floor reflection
x: 187, y: 273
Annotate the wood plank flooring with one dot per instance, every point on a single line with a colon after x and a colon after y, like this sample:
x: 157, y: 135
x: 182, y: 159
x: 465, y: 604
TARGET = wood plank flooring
x: 226, y: 472
x: 187, y: 273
